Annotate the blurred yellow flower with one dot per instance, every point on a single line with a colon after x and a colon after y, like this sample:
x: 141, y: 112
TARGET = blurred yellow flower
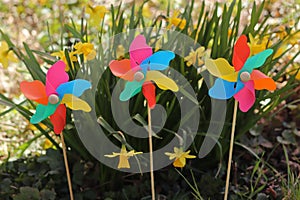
x: 47, y: 144
x: 180, y: 157
x: 174, y: 20
x: 124, y: 156
x: 87, y: 49
x: 120, y: 51
x: 96, y: 13
x: 258, y: 45
x: 6, y: 55
x: 195, y: 57
x: 281, y: 32
x: 62, y: 56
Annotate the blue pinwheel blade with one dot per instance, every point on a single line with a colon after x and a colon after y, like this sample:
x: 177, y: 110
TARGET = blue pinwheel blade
x: 256, y: 61
x: 223, y: 89
x: 131, y: 89
x: 42, y: 112
x: 158, y: 61
x: 75, y: 87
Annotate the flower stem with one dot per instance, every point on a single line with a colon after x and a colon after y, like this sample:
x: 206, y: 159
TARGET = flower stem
x: 230, y: 149
x: 66, y: 165
x: 151, y: 154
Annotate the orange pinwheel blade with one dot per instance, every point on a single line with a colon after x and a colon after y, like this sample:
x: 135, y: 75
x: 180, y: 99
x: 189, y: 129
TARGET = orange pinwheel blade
x: 241, y: 52
x: 122, y: 69
x: 261, y: 81
x: 35, y: 91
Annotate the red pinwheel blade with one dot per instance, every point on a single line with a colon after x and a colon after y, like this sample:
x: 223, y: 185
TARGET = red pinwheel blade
x: 149, y: 93
x: 241, y: 52
x: 35, y: 91
x: 58, y: 119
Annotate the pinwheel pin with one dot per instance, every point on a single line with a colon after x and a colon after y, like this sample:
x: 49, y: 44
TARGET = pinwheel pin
x: 239, y: 81
x: 141, y: 71
x: 53, y: 99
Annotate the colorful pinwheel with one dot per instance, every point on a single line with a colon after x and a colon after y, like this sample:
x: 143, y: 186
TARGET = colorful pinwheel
x: 241, y: 80
x: 140, y: 71
x: 55, y: 96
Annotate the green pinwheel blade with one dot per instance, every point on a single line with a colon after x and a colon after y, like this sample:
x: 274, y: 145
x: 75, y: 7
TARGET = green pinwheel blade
x: 131, y: 89
x: 42, y: 112
x: 256, y: 61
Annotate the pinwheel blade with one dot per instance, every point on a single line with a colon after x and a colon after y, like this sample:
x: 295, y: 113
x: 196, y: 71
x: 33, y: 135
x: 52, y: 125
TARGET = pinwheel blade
x: 223, y: 89
x: 56, y: 75
x: 246, y: 96
x: 75, y: 103
x: 162, y: 81
x: 58, y: 119
x: 221, y: 69
x: 149, y: 93
x: 257, y: 60
x: 42, y: 112
x: 35, y: 91
x: 75, y: 87
x: 122, y: 69
x: 139, y: 51
x: 158, y: 61
x: 131, y: 89
x: 241, y: 52
x: 261, y: 81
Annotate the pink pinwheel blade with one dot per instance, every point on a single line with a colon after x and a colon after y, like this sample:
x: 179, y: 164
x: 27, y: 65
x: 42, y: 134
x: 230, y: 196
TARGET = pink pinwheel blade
x: 241, y: 52
x: 246, y: 96
x: 149, y: 93
x: 56, y: 75
x: 139, y: 51
x: 58, y: 119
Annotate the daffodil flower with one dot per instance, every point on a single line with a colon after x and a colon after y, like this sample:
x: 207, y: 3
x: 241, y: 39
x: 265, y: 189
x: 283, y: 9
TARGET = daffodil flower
x: 141, y: 69
x: 55, y: 96
x: 258, y: 45
x: 123, y: 157
x: 62, y: 57
x: 96, y: 13
x: 241, y: 79
x: 180, y: 157
x: 195, y: 57
x: 174, y: 20
x: 87, y: 49
x: 6, y: 55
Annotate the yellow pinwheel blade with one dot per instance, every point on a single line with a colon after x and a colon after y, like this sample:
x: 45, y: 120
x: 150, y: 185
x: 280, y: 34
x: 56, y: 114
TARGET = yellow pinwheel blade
x: 162, y: 81
x: 75, y: 103
x: 221, y: 69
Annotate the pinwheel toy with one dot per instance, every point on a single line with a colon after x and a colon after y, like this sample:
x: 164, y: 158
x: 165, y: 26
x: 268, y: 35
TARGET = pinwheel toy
x: 239, y: 81
x: 55, y: 96
x: 140, y: 71
x: 53, y: 99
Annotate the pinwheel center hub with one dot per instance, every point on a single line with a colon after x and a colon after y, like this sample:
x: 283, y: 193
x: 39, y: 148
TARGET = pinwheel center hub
x: 139, y: 76
x: 53, y: 99
x: 245, y: 76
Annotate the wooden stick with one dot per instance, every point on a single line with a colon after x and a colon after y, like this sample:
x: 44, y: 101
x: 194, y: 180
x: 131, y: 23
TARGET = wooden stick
x: 230, y: 149
x: 151, y: 154
x: 66, y: 165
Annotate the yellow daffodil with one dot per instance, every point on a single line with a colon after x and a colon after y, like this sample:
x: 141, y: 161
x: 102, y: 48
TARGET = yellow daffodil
x: 62, y: 56
x: 281, y: 32
x: 258, y: 45
x: 96, y: 13
x: 180, y: 156
x: 87, y: 49
x: 174, y: 20
x: 195, y: 57
x: 47, y: 144
x: 123, y: 157
x: 6, y: 55
x: 120, y: 51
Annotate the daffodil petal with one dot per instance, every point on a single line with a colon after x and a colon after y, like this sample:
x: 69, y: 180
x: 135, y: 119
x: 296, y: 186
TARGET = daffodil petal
x: 256, y: 61
x: 162, y: 81
x: 131, y: 89
x: 158, y: 61
x: 42, y: 112
x: 75, y: 103
x: 221, y: 69
x: 75, y: 87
